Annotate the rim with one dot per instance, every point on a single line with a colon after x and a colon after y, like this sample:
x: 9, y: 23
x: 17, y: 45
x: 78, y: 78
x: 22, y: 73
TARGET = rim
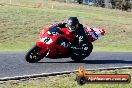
x: 34, y: 55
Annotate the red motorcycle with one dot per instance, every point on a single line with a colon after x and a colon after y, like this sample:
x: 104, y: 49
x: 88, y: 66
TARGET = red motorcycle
x: 57, y: 43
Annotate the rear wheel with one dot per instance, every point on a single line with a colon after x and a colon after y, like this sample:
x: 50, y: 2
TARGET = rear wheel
x: 78, y: 55
x: 32, y: 55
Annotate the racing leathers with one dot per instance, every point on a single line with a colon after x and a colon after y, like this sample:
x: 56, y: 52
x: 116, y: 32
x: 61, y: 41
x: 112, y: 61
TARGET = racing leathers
x: 80, y: 33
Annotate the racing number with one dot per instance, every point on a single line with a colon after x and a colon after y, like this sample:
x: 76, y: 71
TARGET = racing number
x: 47, y: 39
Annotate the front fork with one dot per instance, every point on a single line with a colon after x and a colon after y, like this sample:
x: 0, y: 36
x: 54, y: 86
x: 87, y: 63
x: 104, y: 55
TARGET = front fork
x: 43, y: 47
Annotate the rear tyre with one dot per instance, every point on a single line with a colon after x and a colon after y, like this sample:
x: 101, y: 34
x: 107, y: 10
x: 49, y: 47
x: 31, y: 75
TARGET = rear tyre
x: 80, y: 55
x: 32, y: 55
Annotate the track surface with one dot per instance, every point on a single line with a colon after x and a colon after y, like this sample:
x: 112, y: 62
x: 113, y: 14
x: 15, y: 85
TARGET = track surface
x: 13, y: 63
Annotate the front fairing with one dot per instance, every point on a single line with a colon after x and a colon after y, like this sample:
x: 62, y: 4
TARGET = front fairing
x: 49, y: 35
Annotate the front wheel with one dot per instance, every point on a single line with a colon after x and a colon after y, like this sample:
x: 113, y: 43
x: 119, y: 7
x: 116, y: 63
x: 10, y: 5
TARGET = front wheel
x: 32, y: 55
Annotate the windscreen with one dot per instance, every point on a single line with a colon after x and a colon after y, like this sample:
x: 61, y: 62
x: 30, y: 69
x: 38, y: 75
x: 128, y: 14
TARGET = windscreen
x: 55, y: 30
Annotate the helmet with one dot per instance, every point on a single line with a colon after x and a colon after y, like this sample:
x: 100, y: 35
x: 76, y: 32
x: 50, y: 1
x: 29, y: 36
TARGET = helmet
x: 72, y: 23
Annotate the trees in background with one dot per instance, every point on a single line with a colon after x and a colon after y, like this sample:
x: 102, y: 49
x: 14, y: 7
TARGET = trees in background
x: 114, y: 4
x: 122, y: 4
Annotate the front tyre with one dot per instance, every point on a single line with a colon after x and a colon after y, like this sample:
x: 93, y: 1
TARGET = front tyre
x: 32, y: 55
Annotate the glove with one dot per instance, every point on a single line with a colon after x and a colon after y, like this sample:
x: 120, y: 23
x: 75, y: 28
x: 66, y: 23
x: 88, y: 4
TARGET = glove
x: 59, y: 25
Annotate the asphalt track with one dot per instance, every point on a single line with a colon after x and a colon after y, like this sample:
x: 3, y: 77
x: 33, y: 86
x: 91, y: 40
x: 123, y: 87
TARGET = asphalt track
x: 13, y: 63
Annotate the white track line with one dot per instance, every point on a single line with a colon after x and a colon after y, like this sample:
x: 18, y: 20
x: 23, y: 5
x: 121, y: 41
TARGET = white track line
x: 57, y: 73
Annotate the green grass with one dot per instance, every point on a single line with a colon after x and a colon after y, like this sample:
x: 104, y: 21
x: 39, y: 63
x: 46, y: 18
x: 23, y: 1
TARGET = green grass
x: 21, y: 24
x: 66, y: 81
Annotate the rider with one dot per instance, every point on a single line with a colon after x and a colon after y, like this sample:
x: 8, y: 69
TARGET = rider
x: 76, y: 28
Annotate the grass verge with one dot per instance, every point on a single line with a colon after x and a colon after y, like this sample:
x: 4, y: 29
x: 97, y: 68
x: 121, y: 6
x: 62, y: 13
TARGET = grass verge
x: 65, y: 81
x: 21, y: 22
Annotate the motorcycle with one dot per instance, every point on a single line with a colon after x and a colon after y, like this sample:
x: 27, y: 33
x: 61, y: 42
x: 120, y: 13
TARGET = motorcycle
x: 57, y: 43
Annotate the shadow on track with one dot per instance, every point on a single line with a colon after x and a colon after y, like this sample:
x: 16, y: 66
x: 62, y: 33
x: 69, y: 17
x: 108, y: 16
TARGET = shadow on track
x: 96, y: 62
